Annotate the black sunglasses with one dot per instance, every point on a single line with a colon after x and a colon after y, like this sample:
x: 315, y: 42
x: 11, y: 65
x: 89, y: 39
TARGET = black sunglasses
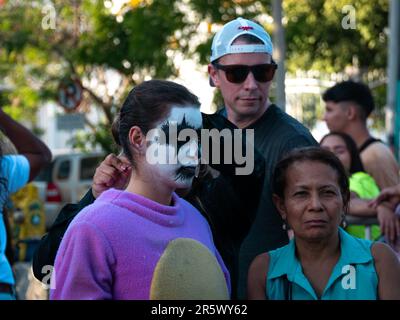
x: 237, y: 73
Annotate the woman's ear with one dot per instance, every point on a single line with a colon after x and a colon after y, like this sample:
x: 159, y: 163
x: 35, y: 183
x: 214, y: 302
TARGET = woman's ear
x: 137, y: 139
x: 280, y: 206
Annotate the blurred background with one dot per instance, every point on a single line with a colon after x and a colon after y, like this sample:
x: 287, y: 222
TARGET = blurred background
x: 66, y: 66
x: 87, y: 55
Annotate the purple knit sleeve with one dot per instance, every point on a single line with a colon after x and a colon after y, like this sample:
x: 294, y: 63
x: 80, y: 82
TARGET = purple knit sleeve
x: 84, y: 265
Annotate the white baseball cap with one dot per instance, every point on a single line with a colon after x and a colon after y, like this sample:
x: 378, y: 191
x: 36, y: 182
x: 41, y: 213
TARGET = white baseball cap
x: 222, y: 42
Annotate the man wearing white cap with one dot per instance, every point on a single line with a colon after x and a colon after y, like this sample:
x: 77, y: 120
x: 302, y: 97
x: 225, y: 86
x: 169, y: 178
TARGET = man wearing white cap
x: 241, y: 67
x: 247, y: 106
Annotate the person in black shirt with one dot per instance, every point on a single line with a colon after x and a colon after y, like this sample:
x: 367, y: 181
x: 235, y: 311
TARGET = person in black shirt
x: 242, y: 68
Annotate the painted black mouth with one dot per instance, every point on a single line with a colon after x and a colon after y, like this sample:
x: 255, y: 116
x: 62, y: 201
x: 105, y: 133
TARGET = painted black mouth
x: 185, y: 173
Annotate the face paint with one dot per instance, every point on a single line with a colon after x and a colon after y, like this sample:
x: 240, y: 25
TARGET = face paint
x: 174, y: 146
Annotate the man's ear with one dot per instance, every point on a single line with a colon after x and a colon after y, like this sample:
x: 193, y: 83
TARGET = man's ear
x: 213, y: 72
x: 137, y: 139
x: 280, y: 206
x: 352, y: 111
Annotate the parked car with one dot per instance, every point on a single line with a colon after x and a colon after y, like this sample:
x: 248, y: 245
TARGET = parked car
x: 66, y: 180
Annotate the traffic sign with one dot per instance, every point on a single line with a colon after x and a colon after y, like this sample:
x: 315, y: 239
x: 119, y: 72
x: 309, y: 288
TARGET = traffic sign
x: 70, y: 94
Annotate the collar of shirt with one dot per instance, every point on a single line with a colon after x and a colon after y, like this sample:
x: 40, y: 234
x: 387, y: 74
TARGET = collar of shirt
x: 352, y: 252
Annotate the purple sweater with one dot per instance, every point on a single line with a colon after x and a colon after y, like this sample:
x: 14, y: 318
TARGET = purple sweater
x: 112, y: 247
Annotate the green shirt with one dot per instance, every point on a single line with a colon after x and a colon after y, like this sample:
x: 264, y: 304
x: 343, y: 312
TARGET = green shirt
x: 365, y: 187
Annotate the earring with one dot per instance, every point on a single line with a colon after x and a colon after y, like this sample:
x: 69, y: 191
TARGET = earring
x: 197, y: 171
x: 344, y: 223
x: 284, y: 226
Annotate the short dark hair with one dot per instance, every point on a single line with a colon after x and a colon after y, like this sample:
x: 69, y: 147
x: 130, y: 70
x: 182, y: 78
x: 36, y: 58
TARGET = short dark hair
x: 351, y: 91
x: 355, y: 161
x: 145, y: 105
x: 317, y: 154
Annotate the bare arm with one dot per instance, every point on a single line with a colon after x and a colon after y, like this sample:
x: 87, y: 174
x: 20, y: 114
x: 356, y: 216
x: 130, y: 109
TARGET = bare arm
x: 383, y: 210
x: 360, y: 207
x: 380, y: 163
x: 391, y: 194
x: 388, y: 222
x: 257, y: 276
x: 26, y: 144
x: 388, y: 268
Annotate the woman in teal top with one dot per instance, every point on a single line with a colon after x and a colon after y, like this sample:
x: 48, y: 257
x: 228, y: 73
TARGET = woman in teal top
x: 322, y: 261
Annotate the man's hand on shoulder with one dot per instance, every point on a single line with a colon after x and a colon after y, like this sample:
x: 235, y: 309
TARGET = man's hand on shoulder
x: 113, y: 172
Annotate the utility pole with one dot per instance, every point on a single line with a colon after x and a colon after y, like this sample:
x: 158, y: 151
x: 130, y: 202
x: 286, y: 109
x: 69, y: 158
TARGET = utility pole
x: 279, y: 53
x: 393, y: 90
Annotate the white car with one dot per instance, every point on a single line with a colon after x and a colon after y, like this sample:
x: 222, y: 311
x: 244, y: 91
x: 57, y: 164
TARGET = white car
x: 66, y: 180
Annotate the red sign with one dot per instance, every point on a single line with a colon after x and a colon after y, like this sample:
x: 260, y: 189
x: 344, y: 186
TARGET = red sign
x: 70, y: 94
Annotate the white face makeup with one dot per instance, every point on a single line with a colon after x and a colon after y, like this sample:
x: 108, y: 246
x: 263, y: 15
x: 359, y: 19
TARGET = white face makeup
x: 192, y: 115
x: 173, y: 147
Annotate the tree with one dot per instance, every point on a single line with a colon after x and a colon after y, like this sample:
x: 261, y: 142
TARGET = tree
x: 41, y: 43
x: 142, y: 40
x: 219, y: 12
x: 321, y: 35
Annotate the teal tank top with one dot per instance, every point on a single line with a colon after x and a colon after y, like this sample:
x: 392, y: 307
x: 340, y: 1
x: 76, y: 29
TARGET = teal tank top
x: 353, y: 278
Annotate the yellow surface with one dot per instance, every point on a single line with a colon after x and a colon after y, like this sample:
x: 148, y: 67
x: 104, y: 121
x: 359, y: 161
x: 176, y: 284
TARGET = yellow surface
x: 187, y: 270
x: 33, y: 226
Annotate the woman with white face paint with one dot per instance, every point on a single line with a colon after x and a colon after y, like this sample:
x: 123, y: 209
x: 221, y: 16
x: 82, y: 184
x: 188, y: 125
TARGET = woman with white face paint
x: 173, y: 150
x: 227, y: 200
x: 145, y: 242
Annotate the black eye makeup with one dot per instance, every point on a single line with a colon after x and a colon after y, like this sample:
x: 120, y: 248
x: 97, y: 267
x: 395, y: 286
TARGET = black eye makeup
x: 176, y: 128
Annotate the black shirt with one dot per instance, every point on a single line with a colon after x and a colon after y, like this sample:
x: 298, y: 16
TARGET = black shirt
x: 275, y: 134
